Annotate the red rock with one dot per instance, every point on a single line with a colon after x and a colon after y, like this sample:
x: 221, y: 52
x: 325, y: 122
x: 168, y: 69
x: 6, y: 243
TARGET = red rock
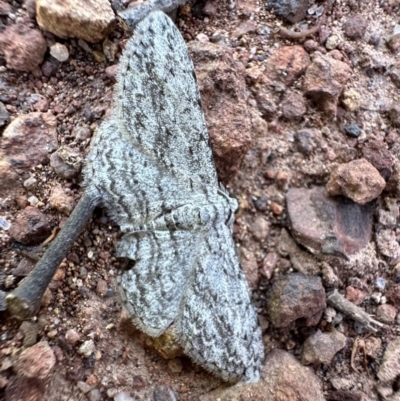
x: 293, y: 106
x: 41, y: 105
x: 354, y: 27
x: 386, y: 313
x: 72, y: 336
x: 266, y: 105
x: 359, y: 180
x: 244, y: 28
x: 276, y: 208
x: 286, y: 64
x: 111, y: 72
x: 328, y: 225
x: 23, y: 47
x: 224, y: 101
x: 28, y: 140
x: 377, y: 153
x: 295, y: 296
x: 355, y: 295
x: 30, y: 227
x: 269, y: 264
x: 324, y: 81
x: 37, y: 361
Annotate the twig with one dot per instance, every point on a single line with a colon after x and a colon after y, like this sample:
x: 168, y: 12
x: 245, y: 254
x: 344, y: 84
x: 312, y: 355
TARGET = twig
x: 340, y: 303
x: 25, y: 299
x: 288, y: 34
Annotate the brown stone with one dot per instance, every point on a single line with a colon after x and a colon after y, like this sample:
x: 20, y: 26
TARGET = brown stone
x: 260, y: 228
x: 293, y: 106
x: 23, y: 47
x: 244, y: 28
x: 91, y: 20
x: 60, y: 201
x: 389, y: 369
x: 359, y: 180
x: 30, y: 227
x: 328, y: 225
x: 322, y: 347
x: 324, y: 81
x: 377, y: 153
x: 386, y: 313
x: 354, y: 27
x: 37, y: 361
x: 394, y: 43
x: 283, y: 378
x: 26, y: 142
x: 286, y: 64
x: 355, y: 295
x: 307, y: 140
x: 295, y: 296
x: 66, y: 162
x: 266, y: 105
x: 224, y: 101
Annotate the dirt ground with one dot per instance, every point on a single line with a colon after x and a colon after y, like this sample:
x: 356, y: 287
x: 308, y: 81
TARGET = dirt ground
x: 81, y: 309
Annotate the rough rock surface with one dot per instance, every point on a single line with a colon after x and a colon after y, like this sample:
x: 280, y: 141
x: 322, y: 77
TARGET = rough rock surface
x: 66, y: 162
x: 286, y: 64
x: 389, y: 369
x: 30, y: 227
x: 224, y: 97
x: 328, y: 225
x: 26, y: 142
x: 91, y: 20
x: 23, y: 47
x: 324, y: 81
x: 322, y: 347
x: 359, y: 180
x: 37, y: 361
x: 291, y: 10
x: 295, y: 296
x: 283, y: 379
x: 61, y: 201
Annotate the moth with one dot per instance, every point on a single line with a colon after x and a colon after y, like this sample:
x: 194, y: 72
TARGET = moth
x: 151, y: 167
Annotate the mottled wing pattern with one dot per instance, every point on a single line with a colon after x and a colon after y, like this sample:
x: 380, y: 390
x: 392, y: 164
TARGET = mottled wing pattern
x: 158, y: 104
x: 217, y: 324
x: 152, y: 289
x: 132, y: 186
x: 152, y: 166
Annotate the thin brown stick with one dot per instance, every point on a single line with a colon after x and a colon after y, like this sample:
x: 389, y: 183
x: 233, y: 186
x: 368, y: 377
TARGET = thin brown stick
x: 343, y: 305
x: 286, y: 33
x: 24, y: 301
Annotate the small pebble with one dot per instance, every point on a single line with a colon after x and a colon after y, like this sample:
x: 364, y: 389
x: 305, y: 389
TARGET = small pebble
x: 4, y: 223
x: 353, y: 130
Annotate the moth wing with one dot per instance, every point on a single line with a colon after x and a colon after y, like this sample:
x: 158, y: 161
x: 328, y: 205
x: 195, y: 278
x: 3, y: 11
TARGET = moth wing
x: 157, y: 100
x: 152, y: 289
x: 217, y: 324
